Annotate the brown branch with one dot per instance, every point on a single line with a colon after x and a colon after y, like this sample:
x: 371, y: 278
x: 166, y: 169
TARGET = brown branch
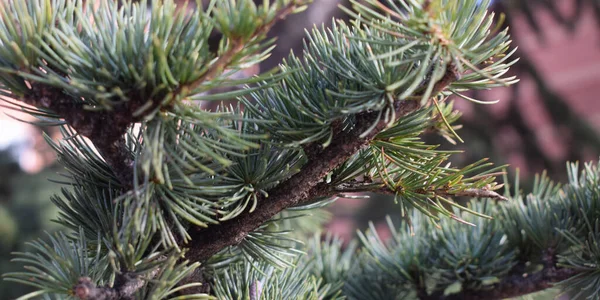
x: 105, y: 129
x: 519, y: 285
x: 236, y: 46
x: 380, y: 188
x: 511, y: 286
x: 124, y: 288
x: 86, y: 289
x: 304, y: 186
x: 473, y: 193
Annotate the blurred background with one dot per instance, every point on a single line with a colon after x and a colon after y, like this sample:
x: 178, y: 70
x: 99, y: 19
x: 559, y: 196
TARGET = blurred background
x: 552, y: 116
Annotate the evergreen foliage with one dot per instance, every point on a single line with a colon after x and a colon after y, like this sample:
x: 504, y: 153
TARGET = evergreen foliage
x: 166, y: 200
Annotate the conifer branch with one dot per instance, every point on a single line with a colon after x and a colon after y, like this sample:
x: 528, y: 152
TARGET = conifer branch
x: 511, y: 286
x: 381, y: 189
x: 304, y: 186
x: 105, y: 129
x: 87, y: 290
x: 124, y: 288
x: 109, y: 140
x: 519, y: 285
x: 357, y: 93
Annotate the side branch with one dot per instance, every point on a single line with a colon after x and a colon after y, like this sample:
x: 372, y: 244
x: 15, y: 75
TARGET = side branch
x: 105, y: 129
x: 124, y: 288
x: 519, y: 285
x: 304, y: 186
x: 236, y: 46
x: 380, y: 188
x: 512, y: 286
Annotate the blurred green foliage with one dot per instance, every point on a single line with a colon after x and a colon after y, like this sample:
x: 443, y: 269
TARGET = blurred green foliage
x: 25, y: 214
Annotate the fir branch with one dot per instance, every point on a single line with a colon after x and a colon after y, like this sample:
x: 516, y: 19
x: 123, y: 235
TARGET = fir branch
x: 87, y: 290
x: 108, y: 139
x: 381, y: 189
x: 130, y: 286
x: 517, y: 283
x: 125, y: 288
x: 304, y: 186
x: 474, y: 193
x: 511, y: 286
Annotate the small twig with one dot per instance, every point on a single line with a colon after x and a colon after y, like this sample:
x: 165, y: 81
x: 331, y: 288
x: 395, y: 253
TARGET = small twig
x: 474, y: 193
x: 87, y: 290
x: 381, y: 188
x: 105, y: 129
x: 235, y: 47
x: 521, y: 285
x: 514, y: 286
x: 124, y: 288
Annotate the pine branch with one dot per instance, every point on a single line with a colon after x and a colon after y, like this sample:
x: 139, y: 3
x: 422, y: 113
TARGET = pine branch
x: 86, y: 289
x: 304, y: 186
x: 108, y: 139
x: 519, y: 283
x: 106, y: 129
x: 381, y: 189
x: 512, y: 286
x: 124, y: 288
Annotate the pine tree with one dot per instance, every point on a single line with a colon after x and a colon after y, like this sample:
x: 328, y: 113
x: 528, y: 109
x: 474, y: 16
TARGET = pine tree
x: 165, y: 199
